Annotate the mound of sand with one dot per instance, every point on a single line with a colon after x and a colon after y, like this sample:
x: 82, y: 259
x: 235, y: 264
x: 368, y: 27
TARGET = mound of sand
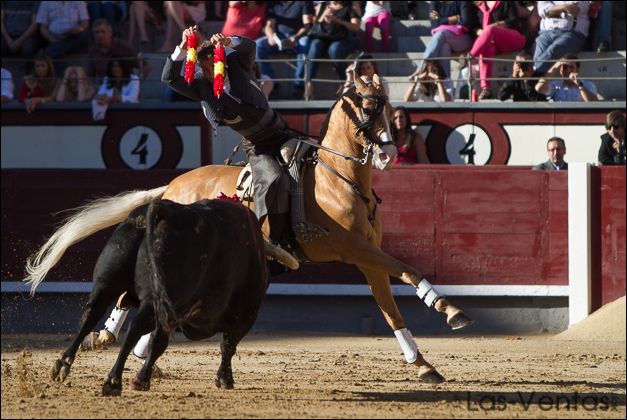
x: 606, y: 324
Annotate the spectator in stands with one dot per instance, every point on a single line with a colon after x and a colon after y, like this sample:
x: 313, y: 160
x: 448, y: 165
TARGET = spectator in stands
x: 180, y: 15
x: 556, y: 149
x: 244, y: 18
x: 75, y: 86
x: 20, y: 32
x: 600, y: 14
x: 453, y: 26
x: 501, y: 31
x: 430, y: 84
x: 7, y: 86
x: 288, y: 22
x: 366, y: 69
x: 113, y: 11
x: 612, y: 150
x: 411, y: 146
x: 40, y: 86
x: 107, y: 46
x: 563, y: 30
x: 523, y: 88
x: 119, y: 86
x: 139, y: 13
x: 329, y: 34
x: 571, y: 88
x: 64, y: 24
x: 378, y: 14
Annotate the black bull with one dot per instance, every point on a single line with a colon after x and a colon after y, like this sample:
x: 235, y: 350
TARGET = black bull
x: 199, y: 267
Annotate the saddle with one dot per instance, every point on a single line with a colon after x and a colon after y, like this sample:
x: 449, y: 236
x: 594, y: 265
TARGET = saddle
x: 295, y: 154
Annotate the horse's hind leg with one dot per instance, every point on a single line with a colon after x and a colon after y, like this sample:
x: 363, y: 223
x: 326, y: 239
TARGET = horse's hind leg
x: 101, y: 297
x: 159, y: 342
x: 380, y: 286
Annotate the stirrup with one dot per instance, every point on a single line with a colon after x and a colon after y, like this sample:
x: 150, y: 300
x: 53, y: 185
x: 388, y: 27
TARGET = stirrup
x: 307, y: 232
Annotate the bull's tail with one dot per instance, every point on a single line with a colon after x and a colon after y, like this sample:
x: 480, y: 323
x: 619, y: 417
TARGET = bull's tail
x: 164, y: 311
x: 85, y: 221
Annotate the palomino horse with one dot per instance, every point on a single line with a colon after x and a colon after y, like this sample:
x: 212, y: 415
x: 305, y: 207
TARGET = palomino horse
x: 338, y: 197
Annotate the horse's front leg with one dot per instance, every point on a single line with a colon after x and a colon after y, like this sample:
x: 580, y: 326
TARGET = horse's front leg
x: 380, y: 286
x: 370, y: 257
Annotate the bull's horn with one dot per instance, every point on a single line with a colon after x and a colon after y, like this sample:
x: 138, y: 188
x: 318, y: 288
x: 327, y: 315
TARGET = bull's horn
x: 281, y: 256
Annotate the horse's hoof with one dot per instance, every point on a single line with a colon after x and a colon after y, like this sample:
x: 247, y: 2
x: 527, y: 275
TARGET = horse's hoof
x: 139, y: 385
x: 110, y: 389
x: 459, y: 320
x: 431, y: 377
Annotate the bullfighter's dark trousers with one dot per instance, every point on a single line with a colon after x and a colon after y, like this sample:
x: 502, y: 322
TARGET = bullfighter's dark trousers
x: 272, y: 189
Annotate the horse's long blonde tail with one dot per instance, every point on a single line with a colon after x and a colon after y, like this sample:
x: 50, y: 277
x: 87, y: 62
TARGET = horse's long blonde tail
x: 85, y: 221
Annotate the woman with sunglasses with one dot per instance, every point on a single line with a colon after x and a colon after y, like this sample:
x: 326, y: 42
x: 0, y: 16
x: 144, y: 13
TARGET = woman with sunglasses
x: 612, y: 150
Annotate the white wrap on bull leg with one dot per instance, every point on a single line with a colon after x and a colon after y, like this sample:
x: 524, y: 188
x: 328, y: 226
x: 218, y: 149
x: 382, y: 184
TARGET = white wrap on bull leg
x: 408, y: 345
x: 427, y: 293
x: 115, y: 321
x: 141, y: 348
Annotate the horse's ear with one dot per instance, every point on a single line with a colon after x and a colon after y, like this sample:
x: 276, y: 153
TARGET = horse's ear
x: 359, y: 83
x: 376, y: 80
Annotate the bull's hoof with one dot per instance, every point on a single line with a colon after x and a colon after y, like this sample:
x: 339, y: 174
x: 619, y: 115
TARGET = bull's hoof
x: 431, y: 376
x: 140, y: 385
x: 60, y: 370
x: 111, y: 388
x: 224, y: 383
x: 459, y: 320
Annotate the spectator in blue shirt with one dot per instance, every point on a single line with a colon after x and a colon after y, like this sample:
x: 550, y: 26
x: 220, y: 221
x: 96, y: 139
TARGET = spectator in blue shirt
x: 571, y: 88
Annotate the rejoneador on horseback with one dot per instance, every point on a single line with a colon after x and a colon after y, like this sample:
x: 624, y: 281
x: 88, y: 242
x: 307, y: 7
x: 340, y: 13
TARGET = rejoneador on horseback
x: 328, y: 190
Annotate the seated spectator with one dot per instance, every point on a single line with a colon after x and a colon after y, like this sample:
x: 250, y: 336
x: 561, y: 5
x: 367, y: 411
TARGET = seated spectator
x: 366, y: 69
x: 410, y: 145
x: 40, y: 86
x: 452, y: 25
x: 139, y: 12
x: 501, y: 31
x: 612, y: 150
x: 563, y: 30
x: 180, y: 15
x: 430, y: 85
x: 286, y: 26
x: 522, y: 89
x: 119, y: 86
x: 571, y: 88
x: 556, y: 149
x: 20, y: 32
x: 113, y: 11
x: 75, y: 86
x: 7, y: 86
x: 329, y: 35
x: 106, y: 46
x: 64, y: 24
x: 378, y: 14
x: 244, y: 18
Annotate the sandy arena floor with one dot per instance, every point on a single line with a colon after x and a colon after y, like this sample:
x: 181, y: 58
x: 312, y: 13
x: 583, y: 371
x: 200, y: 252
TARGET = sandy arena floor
x: 279, y: 376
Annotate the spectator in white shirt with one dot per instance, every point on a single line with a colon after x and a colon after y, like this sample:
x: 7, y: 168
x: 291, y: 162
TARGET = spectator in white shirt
x: 7, y: 86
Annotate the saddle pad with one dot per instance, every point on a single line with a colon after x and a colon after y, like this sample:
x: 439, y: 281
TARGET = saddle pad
x: 244, y: 187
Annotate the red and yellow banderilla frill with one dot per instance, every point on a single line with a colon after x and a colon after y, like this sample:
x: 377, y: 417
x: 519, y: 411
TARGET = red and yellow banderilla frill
x: 190, y: 63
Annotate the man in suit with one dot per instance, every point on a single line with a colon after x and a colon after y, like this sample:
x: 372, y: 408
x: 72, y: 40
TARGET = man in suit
x: 556, y: 149
x: 244, y: 108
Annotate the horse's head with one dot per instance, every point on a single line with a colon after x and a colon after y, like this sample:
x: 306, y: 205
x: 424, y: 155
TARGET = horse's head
x: 374, y: 113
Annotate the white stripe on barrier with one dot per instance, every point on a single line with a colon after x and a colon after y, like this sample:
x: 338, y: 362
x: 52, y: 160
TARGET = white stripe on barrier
x: 579, y: 242
x: 309, y: 289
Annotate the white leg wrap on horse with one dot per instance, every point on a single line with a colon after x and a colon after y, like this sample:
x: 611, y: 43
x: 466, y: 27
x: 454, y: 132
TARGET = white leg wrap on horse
x: 115, y: 321
x: 141, y: 348
x: 426, y: 292
x: 410, y: 349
